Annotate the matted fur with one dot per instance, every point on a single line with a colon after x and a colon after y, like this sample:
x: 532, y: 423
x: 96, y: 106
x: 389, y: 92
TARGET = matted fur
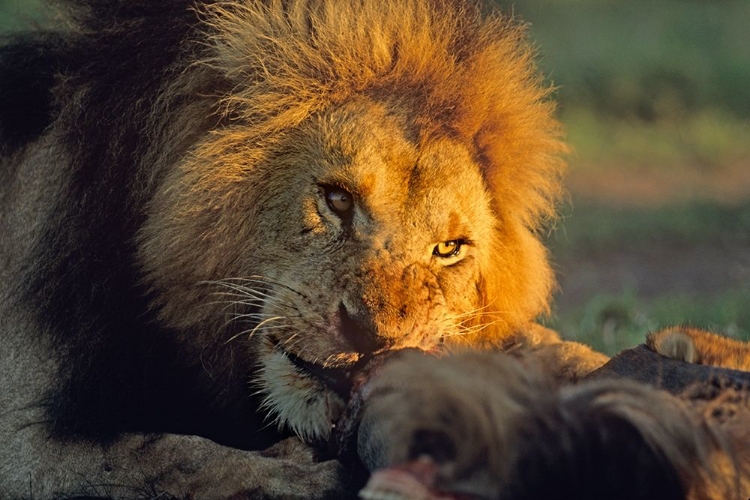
x: 433, y: 430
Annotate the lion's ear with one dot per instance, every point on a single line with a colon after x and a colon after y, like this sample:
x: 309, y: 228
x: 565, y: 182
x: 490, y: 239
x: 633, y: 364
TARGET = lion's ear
x: 674, y: 344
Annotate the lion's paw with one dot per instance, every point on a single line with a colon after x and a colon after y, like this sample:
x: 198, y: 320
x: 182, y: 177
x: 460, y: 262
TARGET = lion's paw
x: 695, y: 345
x: 674, y: 344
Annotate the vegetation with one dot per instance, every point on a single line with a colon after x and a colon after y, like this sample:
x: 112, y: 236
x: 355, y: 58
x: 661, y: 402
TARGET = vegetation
x: 654, y: 95
x: 695, y: 261
x: 19, y: 14
x: 591, y: 229
x: 644, y: 58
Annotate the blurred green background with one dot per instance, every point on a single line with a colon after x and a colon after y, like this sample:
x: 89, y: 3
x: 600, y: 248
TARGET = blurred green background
x: 655, y: 96
x: 16, y: 14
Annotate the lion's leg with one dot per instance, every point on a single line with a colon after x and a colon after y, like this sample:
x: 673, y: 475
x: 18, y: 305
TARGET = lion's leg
x: 565, y: 360
x: 37, y: 464
x: 161, y: 466
x: 698, y: 346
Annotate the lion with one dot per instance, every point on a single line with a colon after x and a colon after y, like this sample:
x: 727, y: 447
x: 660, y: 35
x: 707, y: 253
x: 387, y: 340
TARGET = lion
x: 214, y: 213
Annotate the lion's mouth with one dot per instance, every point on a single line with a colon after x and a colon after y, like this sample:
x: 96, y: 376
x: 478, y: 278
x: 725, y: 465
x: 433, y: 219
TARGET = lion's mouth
x: 339, y: 380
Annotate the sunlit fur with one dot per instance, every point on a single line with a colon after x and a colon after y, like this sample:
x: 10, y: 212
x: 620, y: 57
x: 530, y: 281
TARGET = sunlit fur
x: 695, y: 345
x: 430, y: 112
x: 452, y: 73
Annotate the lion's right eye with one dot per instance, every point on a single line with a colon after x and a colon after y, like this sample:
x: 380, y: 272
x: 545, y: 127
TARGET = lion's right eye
x: 448, y: 249
x: 339, y: 200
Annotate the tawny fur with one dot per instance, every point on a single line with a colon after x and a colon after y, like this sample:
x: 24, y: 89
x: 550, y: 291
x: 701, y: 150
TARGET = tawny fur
x: 695, y: 345
x: 431, y: 114
x: 171, y: 263
x: 441, y: 66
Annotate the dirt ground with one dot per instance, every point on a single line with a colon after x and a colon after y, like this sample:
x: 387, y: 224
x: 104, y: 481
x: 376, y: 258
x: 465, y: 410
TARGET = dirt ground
x: 713, y: 263
x: 653, y: 272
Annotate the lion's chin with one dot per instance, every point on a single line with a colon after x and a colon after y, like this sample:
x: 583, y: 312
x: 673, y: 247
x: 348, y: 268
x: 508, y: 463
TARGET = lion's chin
x: 303, y: 396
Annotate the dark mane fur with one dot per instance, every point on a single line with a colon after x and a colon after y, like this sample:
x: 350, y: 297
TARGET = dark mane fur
x: 103, y: 76
x: 125, y: 77
x: 28, y: 64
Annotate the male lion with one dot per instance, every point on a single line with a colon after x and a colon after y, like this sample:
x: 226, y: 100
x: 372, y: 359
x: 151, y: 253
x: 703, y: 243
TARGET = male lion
x: 213, y: 212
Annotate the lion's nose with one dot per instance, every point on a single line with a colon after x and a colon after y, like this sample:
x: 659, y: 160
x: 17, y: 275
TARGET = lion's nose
x: 358, y: 332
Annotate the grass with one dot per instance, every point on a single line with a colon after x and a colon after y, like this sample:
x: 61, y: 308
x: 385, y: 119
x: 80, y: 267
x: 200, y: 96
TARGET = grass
x: 644, y: 58
x: 588, y: 229
x: 708, y: 138
x: 611, y: 323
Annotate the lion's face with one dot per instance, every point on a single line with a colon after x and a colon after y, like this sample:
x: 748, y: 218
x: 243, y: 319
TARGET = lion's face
x: 348, y: 238
x: 373, y: 243
x: 358, y: 190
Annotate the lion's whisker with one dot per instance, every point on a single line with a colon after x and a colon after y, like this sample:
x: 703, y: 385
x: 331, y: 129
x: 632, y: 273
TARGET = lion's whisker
x: 264, y: 279
x: 248, y: 291
x: 472, y: 312
x: 258, y: 315
x: 253, y: 330
x: 288, y: 342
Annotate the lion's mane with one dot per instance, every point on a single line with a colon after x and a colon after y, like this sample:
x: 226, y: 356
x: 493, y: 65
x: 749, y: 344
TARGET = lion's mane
x: 130, y: 89
x: 463, y: 75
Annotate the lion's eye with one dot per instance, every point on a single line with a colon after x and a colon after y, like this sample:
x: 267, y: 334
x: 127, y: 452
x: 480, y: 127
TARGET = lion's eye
x: 447, y: 249
x: 339, y: 200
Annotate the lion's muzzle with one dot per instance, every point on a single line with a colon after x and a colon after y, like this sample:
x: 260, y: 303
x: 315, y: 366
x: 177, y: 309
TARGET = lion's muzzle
x: 393, y: 309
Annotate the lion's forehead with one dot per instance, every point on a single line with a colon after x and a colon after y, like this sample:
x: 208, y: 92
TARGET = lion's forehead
x: 429, y: 186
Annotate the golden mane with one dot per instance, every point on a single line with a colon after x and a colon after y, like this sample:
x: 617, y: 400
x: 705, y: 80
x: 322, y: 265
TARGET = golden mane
x: 455, y: 68
x: 267, y: 66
